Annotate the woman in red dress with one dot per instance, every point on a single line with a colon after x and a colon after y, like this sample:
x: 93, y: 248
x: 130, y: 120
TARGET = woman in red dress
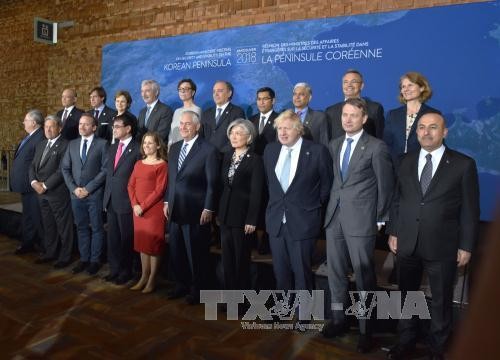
x: 146, y: 188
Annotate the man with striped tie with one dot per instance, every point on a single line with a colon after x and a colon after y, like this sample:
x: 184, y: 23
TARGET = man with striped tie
x: 433, y: 228
x: 193, y: 170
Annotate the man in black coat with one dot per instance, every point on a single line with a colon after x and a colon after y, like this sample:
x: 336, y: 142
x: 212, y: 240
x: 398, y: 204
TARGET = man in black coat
x: 264, y: 119
x: 53, y: 195
x: 433, y: 227
x: 102, y: 113
x: 69, y: 115
x: 19, y: 180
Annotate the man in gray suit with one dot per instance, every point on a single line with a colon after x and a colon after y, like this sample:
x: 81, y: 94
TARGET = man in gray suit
x: 156, y: 116
x: 315, y: 122
x: 84, y: 171
x: 359, y: 204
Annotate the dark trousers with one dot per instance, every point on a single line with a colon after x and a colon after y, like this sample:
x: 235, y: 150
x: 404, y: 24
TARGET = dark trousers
x: 57, y: 219
x: 236, y: 253
x: 189, y: 250
x: 341, y: 247
x: 292, y: 261
x: 31, y: 219
x: 441, y: 274
x: 120, y: 242
x: 88, y: 219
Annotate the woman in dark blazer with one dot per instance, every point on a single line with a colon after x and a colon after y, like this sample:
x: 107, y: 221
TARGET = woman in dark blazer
x: 401, y: 124
x: 242, y: 181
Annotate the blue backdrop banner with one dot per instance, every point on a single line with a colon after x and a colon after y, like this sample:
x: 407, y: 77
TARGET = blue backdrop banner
x: 456, y: 47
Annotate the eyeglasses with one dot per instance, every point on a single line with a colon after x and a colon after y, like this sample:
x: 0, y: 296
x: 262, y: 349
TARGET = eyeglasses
x: 184, y: 89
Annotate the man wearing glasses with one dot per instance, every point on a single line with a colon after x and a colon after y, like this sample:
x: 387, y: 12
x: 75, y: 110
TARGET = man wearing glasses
x: 352, y: 84
x: 264, y: 119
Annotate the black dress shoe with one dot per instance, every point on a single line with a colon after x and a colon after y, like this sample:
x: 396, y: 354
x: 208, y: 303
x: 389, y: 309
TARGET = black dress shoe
x: 365, y: 343
x: 93, y: 268
x: 122, y: 279
x: 192, y: 299
x: 61, y: 264
x: 82, y: 265
x: 331, y: 330
x: 110, y: 277
x: 23, y: 249
x: 176, y: 293
x: 401, y: 351
x: 43, y: 260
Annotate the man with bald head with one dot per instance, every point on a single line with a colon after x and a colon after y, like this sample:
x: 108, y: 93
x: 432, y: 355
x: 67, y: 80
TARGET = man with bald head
x: 433, y: 228
x: 69, y: 115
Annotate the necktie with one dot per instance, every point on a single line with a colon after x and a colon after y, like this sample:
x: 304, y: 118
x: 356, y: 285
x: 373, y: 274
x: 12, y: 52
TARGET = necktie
x: 182, y: 156
x: 45, y: 152
x: 345, y: 159
x: 65, y: 115
x: 299, y: 114
x: 22, y: 144
x: 84, y: 150
x: 119, y: 153
x: 96, y: 114
x: 148, y: 112
x: 285, y: 171
x: 262, y: 124
x: 217, y: 117
x: 426, y: 176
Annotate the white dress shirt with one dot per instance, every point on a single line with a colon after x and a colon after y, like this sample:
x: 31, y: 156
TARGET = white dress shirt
x: 294, y: 160
x: 436, y: 159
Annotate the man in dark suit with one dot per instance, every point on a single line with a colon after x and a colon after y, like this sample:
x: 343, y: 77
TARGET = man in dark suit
x: 193, y: 169
x: 84, y: 170
x: 19, y: 181
x: 315, y: 122
x: 433, y: 228
x: 69, y: 115
x: 102, y: 113
x: 215, y: 120
x: 156, y: 116
x: 53, y: 195
x: 352, y: 84
x: 359, y: 205
x: 122, y: 157
x: 299, y: 178
x: 264, y: 119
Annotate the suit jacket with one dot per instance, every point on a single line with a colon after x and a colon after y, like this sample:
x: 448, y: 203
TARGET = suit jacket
x: 90, y: 174
x: 49, y: 171
x: 364, y: 197
x: 192, y: 188
x: 19, y: 172
x: 268, y: 133
x: 217, y: 135
x: 105, y: 121
x: 240, y: 201
x: 117, y: 179
x: 159, y: 120
x: 443, y: 220
x: 395, y: 132
x: 70, y: 125
x: 316, y: 127
x: 307, y: 194
x: 373, y: 126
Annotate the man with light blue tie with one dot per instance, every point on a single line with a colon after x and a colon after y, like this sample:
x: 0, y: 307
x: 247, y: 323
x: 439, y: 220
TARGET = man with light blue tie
x: 359, y: 205
x: 299, y: 177
x: 84, y: 171
x: 315, y: 122
x: 156, y: 116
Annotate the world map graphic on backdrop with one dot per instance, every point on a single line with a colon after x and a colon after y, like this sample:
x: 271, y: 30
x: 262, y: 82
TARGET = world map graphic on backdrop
x: 456, y: 47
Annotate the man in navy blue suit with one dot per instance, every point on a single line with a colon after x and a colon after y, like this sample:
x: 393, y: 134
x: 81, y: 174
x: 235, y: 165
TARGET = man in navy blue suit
x: 122, y: 156
x: 299, y: 177
x: 84, y: 171
x: 19, y: 180
x: 193, y: 169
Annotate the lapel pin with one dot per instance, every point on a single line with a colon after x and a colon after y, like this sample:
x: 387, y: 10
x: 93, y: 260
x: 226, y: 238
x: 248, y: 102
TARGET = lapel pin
x: 129, y: 150
x: 362, y: 147
x: 447, y: 161
x: 248, y: 155
x: 307, y: 153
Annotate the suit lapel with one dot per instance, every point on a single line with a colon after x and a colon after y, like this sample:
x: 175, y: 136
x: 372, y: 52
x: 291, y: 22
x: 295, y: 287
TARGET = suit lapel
x: 124, y: 155
x: 244, y: 164
x: 441, y: 169
x: 275, y: 155
x: 52, y: 149
x: 304, y: 157
x: 224, y: 115
x: 358, y: 152
x: 194, y: 149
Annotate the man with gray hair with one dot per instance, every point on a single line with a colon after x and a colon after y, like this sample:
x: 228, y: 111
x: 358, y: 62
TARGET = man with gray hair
x: 53, y: 196
x: 156, y: 116
x: 19, y: 180
x: 315, y: 122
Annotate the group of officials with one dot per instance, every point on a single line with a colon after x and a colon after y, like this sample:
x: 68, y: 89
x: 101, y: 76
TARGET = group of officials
x: 346, y: 171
